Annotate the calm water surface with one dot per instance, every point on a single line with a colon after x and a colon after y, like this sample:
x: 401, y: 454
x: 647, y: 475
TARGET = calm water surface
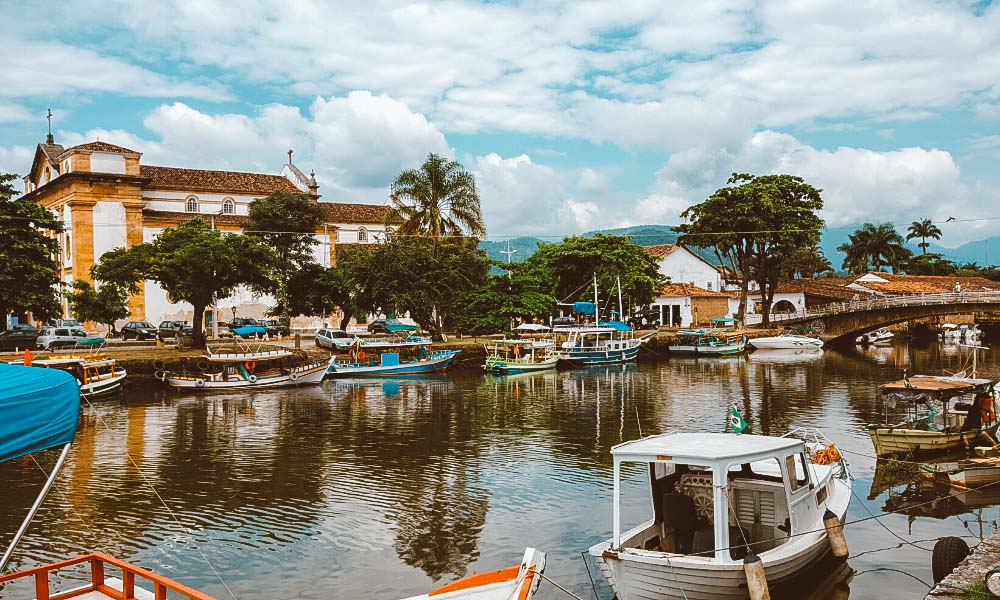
x: 384, y: 489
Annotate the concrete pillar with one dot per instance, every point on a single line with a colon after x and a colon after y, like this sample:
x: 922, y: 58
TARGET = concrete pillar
x: 662, y: 322
x: 82, y: 239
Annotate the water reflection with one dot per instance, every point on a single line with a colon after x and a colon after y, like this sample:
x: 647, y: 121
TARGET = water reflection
x: 380, y: 488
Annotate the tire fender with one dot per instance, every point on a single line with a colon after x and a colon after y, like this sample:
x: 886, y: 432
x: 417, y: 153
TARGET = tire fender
x: 948, y: 552
x: 199, y: 382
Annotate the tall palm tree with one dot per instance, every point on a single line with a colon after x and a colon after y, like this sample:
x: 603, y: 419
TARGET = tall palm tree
x: 809, y: 262
x: 438, y: 200
x: 873, y: 246
x: 923, y: 229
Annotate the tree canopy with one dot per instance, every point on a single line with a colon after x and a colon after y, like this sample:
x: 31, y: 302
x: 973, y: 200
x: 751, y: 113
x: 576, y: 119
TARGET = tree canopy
x: 29, y: 254
x: 756, y: 224
x: 286, y: 223
x: 923, y: 229
x: 315, y: 290
x: 437, y: 200
x: 515, y: 293
x: 192, y: 263
x: 105, y: 305
x: 872, y: 246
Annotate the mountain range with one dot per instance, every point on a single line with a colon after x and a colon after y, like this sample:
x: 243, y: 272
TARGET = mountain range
x: 977, y: 251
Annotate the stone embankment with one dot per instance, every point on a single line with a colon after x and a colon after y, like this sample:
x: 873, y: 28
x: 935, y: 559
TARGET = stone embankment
x: 970, y: 573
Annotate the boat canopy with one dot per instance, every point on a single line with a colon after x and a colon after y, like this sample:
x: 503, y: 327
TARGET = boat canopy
x: 723, y: 320
x: 249, y: 330
x: 616, y: 325
x: 705, y: 448
x: 532, y: 327
x: 397, y: 326
x: 584, y: 308
x: 941, y: 386
x: 39, y: 409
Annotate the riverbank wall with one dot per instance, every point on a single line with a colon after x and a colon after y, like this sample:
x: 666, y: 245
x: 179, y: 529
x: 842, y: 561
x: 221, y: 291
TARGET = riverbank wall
x: 968, y: 576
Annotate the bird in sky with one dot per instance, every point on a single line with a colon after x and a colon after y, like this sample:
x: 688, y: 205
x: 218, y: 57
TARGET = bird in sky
x: 950, y: 219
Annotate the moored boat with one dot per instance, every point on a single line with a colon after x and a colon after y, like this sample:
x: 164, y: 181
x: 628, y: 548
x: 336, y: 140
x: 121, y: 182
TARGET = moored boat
x: 512, y: 356
x: 966, y: 472
x: 606, y: 343
x: 519, y: 582
x: 709, y: 342
x: 245, y: 368
x: 716, y: 497
x: 928, y: 430
x: 411, y: 355
x: 786, y: 341
x: 881, y: 336
x: 97, y: 374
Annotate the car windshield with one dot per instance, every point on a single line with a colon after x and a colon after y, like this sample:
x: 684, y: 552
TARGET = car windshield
x: 339, y: 334
x: 143, y: 324
x: 78, y: 333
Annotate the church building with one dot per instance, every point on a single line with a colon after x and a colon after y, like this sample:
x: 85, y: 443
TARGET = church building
x: 107, y: 198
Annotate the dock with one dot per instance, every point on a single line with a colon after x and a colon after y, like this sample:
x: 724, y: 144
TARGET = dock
x: 968, y: 575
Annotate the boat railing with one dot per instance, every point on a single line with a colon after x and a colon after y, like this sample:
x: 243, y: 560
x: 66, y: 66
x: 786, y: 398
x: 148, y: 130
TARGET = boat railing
x: 98, y: 562
x: 834, y: 308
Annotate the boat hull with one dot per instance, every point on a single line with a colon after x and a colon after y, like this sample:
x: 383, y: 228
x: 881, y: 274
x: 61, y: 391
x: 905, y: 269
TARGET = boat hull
x: 309, y: 375
x: 889, y: 441
x: 502, y: 367
x: 431, y: 365
x: 104, y: 386
x: 785, y: 343
x: 600, y: 357
x: 720, y: 350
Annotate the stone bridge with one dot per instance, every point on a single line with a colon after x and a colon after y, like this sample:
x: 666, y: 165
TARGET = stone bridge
x: 847, y: 320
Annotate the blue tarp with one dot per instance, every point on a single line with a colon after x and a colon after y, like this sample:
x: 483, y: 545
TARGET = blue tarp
x: 583, y: 308
x: 246, y: 330
x: 616, y: 325
x: 39, y: 409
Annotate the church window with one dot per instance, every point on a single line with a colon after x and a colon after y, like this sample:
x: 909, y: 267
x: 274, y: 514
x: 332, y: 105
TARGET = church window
x: 228, y: 208
x: 363, y: 235
x: 192, y: 204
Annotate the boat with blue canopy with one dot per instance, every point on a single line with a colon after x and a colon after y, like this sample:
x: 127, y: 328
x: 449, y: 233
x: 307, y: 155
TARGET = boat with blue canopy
x: 709, y: 342
x: 379, y: 357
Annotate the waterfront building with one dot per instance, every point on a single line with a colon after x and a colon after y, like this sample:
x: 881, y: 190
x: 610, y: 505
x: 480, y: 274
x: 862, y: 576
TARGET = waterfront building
x: 686, y: 305
x: 107, y: 198
x: 683, y: 265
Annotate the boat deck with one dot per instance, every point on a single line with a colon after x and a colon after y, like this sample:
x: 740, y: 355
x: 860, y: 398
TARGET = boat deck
x: 116, y: 584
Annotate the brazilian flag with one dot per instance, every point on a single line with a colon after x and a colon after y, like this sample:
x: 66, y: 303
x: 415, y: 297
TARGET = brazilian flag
x: 736, y: 421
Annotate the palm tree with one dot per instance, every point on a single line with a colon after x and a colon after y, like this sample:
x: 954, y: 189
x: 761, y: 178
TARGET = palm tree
x: 439, y: 200
x: 809, y: 262
x: 923, y: 229
x: 872, y: 246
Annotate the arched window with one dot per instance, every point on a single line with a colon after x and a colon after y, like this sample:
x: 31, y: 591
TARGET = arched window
x: 363, y: 235
x: 228, y: 208
x: 192, y: 204
x: 388, y: 234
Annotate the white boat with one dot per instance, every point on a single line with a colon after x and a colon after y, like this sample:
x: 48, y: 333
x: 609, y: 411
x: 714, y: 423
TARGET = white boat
x: 714, y: 496
x: 606, y: 343
x: 786, y: 341
x: 246, y: 368
x: 519, y: 582
x: 96, y: 374
x: 881, y: 336
x: 512, y: 356
x: 390, y: 357
x: 709, y: 342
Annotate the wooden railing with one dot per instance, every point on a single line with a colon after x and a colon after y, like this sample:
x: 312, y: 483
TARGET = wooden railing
x: 835, y: 308
x: 98, y: 560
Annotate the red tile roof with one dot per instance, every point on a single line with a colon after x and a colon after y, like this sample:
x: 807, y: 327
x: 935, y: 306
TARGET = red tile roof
x: 101, y: 147
x: 660, y: 250
x: 343, y: 212
x: 926, y: 284
x: 686, y: 289
x: 200, y: 180
x: 824, y: 287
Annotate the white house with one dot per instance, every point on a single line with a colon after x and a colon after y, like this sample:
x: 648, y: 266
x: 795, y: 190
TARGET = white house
x: 682, y: 265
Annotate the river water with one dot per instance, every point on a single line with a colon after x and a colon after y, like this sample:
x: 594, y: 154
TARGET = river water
x: 385, y: 489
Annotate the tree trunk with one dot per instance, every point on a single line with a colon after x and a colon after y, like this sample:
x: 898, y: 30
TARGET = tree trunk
x: 4, y: 311
x: 766, y: 299
x: 744, y: 292
x: 197, y: 324
x: 346, y: 319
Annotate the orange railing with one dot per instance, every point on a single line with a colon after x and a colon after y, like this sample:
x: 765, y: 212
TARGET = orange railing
x: 97, y: 562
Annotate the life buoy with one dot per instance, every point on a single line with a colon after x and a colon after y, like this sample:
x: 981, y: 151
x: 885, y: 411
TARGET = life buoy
x: 161, y: 375
x: 199, y: 382
x: 250, y: 365
x: 294, y: 376
x: 252, y: 379
x: 361, y: 356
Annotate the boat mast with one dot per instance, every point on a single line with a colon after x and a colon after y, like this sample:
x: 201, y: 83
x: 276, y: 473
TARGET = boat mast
x: 596, y: 317
x: 621, y: 309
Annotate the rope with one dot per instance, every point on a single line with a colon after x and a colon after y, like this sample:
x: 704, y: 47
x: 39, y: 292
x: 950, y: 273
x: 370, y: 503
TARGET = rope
x: 593, y: 586
x: 900, y: 545
x: 910, y: 575
x: 569, y: 593
x: 158, y: 497
x: 884, y: 526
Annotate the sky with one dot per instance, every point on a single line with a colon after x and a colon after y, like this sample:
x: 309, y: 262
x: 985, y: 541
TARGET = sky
x: 572, y: 115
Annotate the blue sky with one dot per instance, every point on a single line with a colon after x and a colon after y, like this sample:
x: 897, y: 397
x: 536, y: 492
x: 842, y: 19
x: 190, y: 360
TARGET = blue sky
x: 572, y: 115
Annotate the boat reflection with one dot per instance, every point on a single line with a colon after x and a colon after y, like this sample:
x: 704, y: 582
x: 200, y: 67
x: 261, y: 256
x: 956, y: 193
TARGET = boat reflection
x: 796, y: 355
x: 920, y: 495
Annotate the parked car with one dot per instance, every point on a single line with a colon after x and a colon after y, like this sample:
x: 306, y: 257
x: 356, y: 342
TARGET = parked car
x: 18, y: 337
x: 52, y: 338
x: 65, y: 323
x: 274, y: 327
x: 169, y: 329
x: 138, y: 330
x: 334, y: 339
x: 247, y: 327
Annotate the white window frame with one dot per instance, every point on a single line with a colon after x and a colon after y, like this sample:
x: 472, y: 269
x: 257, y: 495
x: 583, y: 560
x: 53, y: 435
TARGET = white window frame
x: 187, y: 204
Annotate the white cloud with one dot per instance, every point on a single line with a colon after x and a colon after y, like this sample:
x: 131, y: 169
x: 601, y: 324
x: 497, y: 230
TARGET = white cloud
x: 519, y: 196
x: 584, y: 215
x: 592, y: 182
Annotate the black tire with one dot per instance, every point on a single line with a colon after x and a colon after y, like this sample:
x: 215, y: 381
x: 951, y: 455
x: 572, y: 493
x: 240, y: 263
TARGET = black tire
x: 948, y: 552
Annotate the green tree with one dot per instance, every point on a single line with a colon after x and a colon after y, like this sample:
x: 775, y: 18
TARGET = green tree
x: 923, y: 229
x: 287, y: 223
x: 755, y: 225
x: 809, y: 262
x: 29, y: 255
x: 105, y: 305
x: 318, y: 291
x: 873, y: 246
x: 192, y: 263
x: 518, y: 293
x: 567, y: 269
x: 930, y: 263
x: 438, y: 200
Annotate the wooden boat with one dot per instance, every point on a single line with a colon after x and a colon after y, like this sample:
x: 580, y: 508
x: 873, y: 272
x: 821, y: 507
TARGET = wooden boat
x: 97, y: 374
x: 246, y: 368
x: 714, y: 497
x: 411, y: 355
x: 518, y: 582
x: 966, y: 472
x: 927, y: 431
x: 509, y: 357
x: 709, y: 342
x: 786, y: 341
x: 606, y: 343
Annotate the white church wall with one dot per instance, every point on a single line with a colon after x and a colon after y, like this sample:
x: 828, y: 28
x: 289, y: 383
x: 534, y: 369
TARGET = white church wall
x: 109, y: 228
x: 105, y: 162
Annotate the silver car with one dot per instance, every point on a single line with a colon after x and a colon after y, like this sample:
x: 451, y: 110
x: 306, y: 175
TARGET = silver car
x: 61, y: 337
x: 334, y: 339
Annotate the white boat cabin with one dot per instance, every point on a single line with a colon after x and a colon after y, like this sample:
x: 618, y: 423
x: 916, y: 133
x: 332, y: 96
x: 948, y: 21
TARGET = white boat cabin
x: 594, y: 338
x: 712, y: 495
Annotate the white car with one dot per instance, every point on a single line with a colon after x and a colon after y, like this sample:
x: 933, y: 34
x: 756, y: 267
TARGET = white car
x: 334, y: 339
x: 51, y: 338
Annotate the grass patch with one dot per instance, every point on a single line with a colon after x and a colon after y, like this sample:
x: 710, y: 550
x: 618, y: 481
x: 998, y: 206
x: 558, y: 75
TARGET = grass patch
x: 976, y: 591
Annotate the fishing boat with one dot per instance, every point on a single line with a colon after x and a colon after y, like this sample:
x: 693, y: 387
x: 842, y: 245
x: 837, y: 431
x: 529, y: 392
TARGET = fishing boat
x: 715, y: 497
x: 786, y: 341
x: 246, y: 368
x: 965, y: 472
x: 411, y: 355
x: 97, y: 374
x: 519, y: 582
x: 931, y: 426
x: 709, y: 342
x: 512, y: 356
x: 607, y: 343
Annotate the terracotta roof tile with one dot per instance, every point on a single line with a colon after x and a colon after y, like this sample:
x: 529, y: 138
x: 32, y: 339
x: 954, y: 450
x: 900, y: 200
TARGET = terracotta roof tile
x: 199, y: 180
x: 826, y: 287
x: 344, y: 212
x: 102, y: 147
x: 660, y: 250
x: 686, y: 289
x: 927, y: 284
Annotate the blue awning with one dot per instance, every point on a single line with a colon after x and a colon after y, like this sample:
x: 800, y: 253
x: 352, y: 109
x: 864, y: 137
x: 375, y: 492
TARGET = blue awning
x: 616, y: 325
x: 583, y: 308
x: 249, y: 330
x: 39, y: 409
